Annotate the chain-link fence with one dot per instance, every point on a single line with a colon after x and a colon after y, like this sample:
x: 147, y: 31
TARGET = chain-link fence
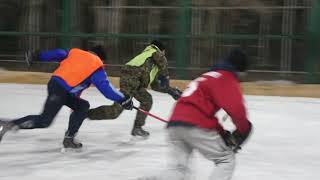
x: 197, y: 33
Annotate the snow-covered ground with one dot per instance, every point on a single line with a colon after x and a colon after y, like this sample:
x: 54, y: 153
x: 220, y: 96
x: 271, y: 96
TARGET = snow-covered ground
x: 284, y: 146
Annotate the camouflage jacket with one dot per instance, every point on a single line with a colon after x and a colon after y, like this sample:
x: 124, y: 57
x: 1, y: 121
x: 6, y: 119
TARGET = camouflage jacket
x: 143, y: 71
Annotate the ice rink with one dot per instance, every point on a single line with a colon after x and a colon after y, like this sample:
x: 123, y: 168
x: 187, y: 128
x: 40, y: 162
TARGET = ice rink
x: 284, y: 146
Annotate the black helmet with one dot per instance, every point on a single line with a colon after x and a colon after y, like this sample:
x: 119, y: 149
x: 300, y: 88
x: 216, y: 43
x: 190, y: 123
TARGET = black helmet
x: 99, y: 51
x: 158, y: 43
x: 238, y: 59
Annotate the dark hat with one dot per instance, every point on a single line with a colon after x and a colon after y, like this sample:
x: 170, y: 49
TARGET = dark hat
x: 238, y: 59
x: 158, y: 43
x: 99, y: 51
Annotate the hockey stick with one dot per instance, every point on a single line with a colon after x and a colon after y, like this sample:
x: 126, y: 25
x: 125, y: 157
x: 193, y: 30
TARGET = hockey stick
x: 149, y: 114
x: 224, y: 118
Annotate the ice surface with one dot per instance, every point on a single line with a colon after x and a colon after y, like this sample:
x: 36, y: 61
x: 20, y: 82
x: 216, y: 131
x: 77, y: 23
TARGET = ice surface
x: 284, y: 146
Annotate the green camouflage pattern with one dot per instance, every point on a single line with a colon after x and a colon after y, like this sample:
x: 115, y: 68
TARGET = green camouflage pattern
x: 133, y: 82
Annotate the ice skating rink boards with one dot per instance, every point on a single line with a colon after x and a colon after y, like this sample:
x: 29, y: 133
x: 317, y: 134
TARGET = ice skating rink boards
x: 276, y: 88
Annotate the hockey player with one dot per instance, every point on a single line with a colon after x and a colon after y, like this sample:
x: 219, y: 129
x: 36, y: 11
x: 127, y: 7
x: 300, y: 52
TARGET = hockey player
x: 135, y: 77
x: 193, y: 126
x: 77, y: 71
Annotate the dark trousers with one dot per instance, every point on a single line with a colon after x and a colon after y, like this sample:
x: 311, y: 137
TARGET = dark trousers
x: 57, y: 97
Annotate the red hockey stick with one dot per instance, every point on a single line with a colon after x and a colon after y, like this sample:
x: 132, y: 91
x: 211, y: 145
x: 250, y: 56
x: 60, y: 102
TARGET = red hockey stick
x: 149, y: 114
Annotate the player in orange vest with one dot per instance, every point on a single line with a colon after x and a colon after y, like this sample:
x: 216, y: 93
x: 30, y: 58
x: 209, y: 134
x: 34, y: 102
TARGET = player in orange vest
x: 77, y: 71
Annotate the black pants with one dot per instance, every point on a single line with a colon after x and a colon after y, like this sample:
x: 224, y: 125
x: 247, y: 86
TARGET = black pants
x: 57, y: 97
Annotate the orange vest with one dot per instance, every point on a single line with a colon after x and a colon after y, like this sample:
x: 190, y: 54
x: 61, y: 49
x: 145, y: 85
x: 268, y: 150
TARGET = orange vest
x: 78, y: 66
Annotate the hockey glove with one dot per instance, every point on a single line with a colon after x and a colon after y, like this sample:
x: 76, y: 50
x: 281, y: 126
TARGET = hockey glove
x: 235, y: 140
x: 127, y: 103
x: 230, y: 141
x: 174, y: 92
x: 163, y: 81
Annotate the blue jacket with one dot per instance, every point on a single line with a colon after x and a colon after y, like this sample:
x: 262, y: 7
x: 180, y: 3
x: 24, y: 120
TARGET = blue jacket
x: 98, y: 78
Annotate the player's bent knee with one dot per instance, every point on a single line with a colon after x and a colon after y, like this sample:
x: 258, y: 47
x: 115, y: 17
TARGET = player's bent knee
x: 85, y: 106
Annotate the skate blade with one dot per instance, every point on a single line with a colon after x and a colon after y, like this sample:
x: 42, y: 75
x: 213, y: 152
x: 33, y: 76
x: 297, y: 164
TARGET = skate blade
x: 138, y: 138
x: 148, y: 178
x: 71, y: 150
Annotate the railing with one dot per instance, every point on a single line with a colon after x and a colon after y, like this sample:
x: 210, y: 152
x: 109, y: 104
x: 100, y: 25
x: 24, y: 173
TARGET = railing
x: 275, y: 36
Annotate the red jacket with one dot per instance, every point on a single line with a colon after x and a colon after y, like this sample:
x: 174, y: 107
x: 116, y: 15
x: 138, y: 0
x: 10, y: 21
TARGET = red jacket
x: 208, y: 94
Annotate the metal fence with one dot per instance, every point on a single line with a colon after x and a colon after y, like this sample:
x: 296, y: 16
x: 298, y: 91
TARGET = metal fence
x: 197, y: 33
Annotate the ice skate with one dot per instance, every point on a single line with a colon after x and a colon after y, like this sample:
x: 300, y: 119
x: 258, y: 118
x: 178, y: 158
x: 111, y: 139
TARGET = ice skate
x: 71, y: 144
x: 139, y: 134
x: 5, y: 126
x: 149, y: 178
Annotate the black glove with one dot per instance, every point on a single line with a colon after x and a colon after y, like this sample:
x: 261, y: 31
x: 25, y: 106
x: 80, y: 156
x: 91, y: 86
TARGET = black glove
x: 127, y: 103
x: 235, y: 140
x: 230, y: 141
x: 163, y: 81
x: 174, y: 92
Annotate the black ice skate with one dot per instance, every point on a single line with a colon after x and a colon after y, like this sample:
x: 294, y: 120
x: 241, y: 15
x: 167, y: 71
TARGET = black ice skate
x: 5, y: 126
x: 69, y: 142
x: 139, y: 132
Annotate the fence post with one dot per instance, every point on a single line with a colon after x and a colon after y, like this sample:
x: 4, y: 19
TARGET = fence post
x: 313, y: 54
x: 182, y: 40
x: 65, y: 41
